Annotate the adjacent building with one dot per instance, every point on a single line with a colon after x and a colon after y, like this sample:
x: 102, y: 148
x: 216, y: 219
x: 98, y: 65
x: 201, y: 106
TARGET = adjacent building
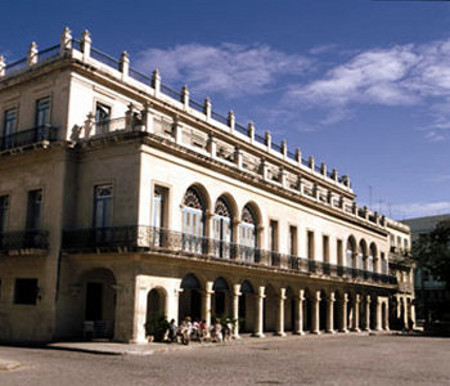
x: 122, y: 199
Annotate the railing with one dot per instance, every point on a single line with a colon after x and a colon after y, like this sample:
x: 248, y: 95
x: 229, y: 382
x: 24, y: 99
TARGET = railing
x: 105, y: 58
x: 109, y: 125
x: 144, y: 238
x: 29, y: 137
x: 13, y: 241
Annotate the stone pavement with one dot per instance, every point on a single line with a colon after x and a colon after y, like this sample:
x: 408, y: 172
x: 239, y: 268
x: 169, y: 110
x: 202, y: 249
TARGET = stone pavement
x: 112, y: 348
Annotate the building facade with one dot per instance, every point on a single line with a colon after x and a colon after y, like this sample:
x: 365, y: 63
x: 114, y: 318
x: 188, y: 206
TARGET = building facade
x: 122, y: 199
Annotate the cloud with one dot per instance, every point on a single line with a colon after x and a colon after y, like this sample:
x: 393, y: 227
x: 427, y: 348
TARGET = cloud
x: 420, y: 209
x: 231, y: 69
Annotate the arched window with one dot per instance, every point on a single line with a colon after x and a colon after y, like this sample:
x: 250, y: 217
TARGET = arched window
x: 222, y: 229
x: 362, y: 255
x: 248, y: 236
x: 193, y: 218
x: 372, y: 258
x: 350, y: 252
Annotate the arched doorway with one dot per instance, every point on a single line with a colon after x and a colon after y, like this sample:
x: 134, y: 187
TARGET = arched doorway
x: 323, y: 311
x: 156, y: 304
x: 193, y: 221
x: 350, y: 253
x: 100, y: 302
x: 373, y: 258
x: 289, y: 310
x: 362, y: 255
x: 222, y: 229
x: 337, y: 309
x: 190, y: 299
x: 246, y: 308
x: 270, y: 310
x: 307, y: 308
x: 221, y: 298
x: 373, y: 312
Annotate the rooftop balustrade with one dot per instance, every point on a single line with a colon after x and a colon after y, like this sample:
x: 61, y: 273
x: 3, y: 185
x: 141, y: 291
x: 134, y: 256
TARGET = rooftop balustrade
x: 165, y: 241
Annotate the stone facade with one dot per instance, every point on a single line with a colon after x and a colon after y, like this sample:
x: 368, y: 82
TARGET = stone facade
x: 122, y: 199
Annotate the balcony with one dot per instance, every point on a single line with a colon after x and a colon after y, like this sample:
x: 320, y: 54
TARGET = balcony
x: 149, y: 239
x: 37, y: 135
x: 24, y: 242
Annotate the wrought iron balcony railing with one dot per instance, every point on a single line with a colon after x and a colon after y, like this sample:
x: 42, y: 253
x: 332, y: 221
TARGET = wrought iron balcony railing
x: 143, y: 238
x: 29, y: 137
x: 14, y: 241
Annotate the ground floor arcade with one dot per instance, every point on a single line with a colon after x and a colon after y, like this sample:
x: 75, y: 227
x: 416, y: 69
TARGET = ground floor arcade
x: 120, y: 298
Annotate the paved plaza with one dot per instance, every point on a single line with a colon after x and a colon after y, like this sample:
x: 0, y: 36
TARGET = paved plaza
x: 308, y: 360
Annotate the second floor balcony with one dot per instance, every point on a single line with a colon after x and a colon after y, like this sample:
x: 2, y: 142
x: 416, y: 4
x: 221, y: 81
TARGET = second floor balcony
x: 23, y: 242
x: 165, y: 241
x: 25, y: 138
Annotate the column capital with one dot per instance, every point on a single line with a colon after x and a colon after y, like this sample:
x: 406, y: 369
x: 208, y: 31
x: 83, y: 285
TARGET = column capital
x: 345, y: 298
x: 332, y: 297
x: 261, y: 291
x: 283, y: 293
x: 237, y: 290
x: 209, y: 287
x: 357, y: 298
x: 368, y: 299
x: 301, y: 295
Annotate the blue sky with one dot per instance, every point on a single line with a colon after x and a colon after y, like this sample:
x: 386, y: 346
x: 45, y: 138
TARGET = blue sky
x: 362, y: 85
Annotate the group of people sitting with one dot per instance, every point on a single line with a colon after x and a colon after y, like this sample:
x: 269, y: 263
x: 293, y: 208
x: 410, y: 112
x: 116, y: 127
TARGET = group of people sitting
x: 199, y: 331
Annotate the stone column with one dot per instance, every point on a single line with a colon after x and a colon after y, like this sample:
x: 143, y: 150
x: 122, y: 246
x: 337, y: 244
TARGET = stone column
x: 378, y: 326
x: 206, y: 306
x: 386, y: 318
x: 367, y: 327
x: 185, y: 97
x: 258, y: 330
x: 299, y: 312
x: 330, y: 313
x: 315, y: 313
x: 207, y: 108
x: 280, y: 319
x: 405, y: 313
x: 156, y: 82
x: 236, y: 295
x: 344, y: 313
x: 356, y: 315
x: 124, y: 65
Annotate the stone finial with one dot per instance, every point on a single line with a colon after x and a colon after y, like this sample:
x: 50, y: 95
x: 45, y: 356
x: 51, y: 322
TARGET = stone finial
x: 284, y: 147
x: 207, y: 108
x: 335, y: 174
x: 124, y: 64
x: 268, y: 139
x: 311, y: 162
x: 231, y: 119
x: 298, y: 155
x: 2, y: 66
x: 185, y: 96
x: 65, y: 40
x: 32, y: 54
x: 323, y: 168
x: 156, y: 81
x: 251, y: 130
x: 86, y: 42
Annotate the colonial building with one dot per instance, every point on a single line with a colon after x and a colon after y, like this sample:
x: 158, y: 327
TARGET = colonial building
x: 121, y: 199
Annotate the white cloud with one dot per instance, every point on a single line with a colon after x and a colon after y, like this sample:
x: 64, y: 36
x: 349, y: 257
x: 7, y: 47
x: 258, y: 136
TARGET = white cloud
x: 231, y: 69
x: 420, y: 209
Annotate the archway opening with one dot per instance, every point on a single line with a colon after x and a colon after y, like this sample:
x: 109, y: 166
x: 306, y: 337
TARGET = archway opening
x: 289, y: 310
x: 246, y: 308
x: 221, y: 298
x: 323, y: 311
x: 270, y: 309
x: 190, y: 299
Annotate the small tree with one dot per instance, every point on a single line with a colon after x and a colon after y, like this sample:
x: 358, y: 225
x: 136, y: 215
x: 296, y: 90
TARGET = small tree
x: 431, y: 252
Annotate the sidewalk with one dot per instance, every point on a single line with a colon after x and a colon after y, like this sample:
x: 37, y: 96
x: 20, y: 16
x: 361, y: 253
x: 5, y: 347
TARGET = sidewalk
x: 112, y: 348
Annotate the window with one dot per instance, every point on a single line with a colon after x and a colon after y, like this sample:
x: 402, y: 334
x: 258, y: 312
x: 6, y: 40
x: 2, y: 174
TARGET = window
x: 103, y: 195
x: 159, y: 207
x: 102, y: 117
x: 273, y: 229
x: 339, y: 252
x: 310, y: 236
x: 406, y: 244
x: 326, y: 248
x: 248, y: 235
x: 222, y: 228
x: 42, y: 112
x: 192, y: 212
x: 26, y: 291
x: 4, y: 206
x: 34, y: 210
x: 293, y: 241
x: 384, y: 264
x: 9, y: 127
